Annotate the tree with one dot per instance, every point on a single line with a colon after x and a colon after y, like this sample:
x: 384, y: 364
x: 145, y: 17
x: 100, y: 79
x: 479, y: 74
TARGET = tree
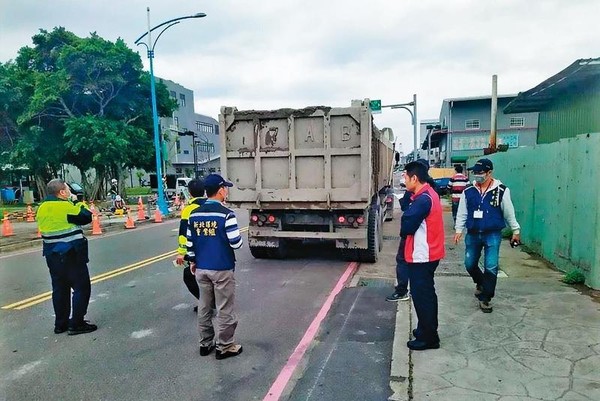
x: 88, y: 102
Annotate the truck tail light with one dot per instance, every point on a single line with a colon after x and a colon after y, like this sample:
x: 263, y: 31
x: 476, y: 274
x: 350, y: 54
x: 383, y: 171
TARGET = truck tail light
x: 341, y: 219
x: 271, y: 219
x: 360, y: 219
x: 254, y: 218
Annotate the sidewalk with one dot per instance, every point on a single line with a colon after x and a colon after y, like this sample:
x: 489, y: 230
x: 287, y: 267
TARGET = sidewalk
x: 541, y: 342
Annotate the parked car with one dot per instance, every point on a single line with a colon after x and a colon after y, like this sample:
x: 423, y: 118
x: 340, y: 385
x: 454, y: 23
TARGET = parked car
x: 441, y: 185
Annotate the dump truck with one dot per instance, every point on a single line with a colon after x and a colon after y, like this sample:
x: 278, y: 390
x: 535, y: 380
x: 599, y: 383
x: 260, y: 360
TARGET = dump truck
x: 317, y: 173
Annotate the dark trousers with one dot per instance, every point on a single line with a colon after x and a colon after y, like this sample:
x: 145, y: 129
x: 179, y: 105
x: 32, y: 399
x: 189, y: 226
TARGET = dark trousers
x: 401, y: 270
x: 422, y: 291
x: 69, y: 271
x: 190, y: 282
x: 454, y: 210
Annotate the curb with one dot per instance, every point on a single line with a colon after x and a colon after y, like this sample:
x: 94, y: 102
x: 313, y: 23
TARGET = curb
x: 400, y: 369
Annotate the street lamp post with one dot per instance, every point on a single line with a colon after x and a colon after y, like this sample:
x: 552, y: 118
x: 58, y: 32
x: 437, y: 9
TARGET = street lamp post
x: 162, y: 204
x: 413, y: 115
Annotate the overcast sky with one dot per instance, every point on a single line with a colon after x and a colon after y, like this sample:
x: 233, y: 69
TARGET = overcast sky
x: 257, y: 54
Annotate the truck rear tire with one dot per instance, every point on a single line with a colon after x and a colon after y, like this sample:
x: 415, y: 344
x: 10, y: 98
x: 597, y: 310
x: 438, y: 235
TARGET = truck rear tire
x: 370, y: 254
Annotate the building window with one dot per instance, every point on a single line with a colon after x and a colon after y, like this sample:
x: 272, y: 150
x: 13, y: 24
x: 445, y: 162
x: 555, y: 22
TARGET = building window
x: 216, y: 130
x: 205, y: 127
x: 472, y: 124
x: 173, y: 94
x: 186, y: 152
x: 182, y: 100
x: 517, y: 122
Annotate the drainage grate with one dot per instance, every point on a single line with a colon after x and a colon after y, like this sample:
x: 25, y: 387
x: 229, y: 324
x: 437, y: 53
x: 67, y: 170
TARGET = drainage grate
x: 391, y: 237
x: 375, y: 282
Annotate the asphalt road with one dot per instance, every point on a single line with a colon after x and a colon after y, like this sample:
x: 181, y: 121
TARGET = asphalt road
x: 146, y: 345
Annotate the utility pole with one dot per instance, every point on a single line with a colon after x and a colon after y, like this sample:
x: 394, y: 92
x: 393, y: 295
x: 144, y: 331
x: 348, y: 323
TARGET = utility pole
x: 494, y: 113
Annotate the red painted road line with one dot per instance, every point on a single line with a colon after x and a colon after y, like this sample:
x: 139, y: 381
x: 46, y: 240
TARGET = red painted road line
x: 286, y: 373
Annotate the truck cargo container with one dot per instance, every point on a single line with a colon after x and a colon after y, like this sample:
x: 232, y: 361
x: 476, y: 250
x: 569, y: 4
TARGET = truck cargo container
x: 317, y: 173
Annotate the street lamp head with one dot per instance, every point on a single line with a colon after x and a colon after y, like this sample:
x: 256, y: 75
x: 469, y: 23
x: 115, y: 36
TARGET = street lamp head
x: 199, y: 15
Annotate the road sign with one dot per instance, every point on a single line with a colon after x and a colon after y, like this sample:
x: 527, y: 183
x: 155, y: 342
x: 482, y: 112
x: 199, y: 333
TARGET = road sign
x: 375, y: 106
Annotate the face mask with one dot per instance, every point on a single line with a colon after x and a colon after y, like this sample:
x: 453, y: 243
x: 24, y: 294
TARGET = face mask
x: 479, y: 178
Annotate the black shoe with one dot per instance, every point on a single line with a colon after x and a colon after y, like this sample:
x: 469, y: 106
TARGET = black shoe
x: 59, y: 330
x: 485, y: 307
x: 417, y: 345
x: 233, y: 350
x: 397, y: 297
x: 204, y: 351
x: 83, y: 328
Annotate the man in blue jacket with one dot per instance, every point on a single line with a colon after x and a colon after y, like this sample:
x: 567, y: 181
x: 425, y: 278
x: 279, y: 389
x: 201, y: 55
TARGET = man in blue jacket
x: 212, y: 237
x: 482, y: 211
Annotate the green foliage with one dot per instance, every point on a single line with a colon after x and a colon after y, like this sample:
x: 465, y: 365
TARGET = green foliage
x: 138, y: 191
x: 575, y: 276
x: 82, y: 101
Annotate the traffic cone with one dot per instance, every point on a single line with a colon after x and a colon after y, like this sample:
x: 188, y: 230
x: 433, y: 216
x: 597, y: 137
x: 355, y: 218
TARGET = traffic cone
x: 96, y: 229
x: 141, y: 215
x: 93, y: 208
x: 30, y: 218
x: 7, y: 228
x: 129, y: 223
x: 157, y: 216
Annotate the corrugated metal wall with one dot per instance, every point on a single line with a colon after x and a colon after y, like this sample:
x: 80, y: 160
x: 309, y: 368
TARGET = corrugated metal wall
x: 557, y: 199
x: 570, y: 116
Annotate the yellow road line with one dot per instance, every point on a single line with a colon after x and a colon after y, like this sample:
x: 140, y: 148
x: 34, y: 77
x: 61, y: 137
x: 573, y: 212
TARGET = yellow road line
x: 45, y: 296
x: 96, y: 279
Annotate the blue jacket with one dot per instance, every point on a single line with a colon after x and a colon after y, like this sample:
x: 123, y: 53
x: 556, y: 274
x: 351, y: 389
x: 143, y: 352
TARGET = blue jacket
x: 212, y: 235
x: 496, y: 205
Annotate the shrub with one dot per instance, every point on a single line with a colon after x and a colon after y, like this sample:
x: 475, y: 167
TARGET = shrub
x: 575, y: 276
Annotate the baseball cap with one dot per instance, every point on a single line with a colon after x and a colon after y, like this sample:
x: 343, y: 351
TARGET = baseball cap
x: 216, y: 181
x: 482, y: 166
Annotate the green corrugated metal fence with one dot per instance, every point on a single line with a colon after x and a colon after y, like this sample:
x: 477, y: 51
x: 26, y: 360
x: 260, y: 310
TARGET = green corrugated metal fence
x: 556, y: 191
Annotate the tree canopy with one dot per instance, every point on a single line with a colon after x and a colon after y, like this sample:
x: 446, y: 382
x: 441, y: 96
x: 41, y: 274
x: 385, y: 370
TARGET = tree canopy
x: 80, y: 101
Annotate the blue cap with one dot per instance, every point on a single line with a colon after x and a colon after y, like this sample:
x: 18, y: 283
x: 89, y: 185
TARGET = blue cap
x: 482, y: 166
x: 216, y: 181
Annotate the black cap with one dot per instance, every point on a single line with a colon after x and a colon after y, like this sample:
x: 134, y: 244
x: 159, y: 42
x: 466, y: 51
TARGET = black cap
x: 482, y: 166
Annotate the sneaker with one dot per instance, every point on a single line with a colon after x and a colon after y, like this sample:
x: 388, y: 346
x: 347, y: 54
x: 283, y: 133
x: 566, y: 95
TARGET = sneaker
x: 232, y: 350
x: 83, y: 328
x: 59, y: 330
x: 478, y: 290
x: 204, y: 351
x: 397, y: 297
x: 417, y: 345
x: 485, y: 307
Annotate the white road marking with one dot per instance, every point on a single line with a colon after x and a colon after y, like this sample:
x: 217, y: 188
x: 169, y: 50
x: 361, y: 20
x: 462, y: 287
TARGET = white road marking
x: 23, y: 370
x: 181, y: 306
x: 142, y: 333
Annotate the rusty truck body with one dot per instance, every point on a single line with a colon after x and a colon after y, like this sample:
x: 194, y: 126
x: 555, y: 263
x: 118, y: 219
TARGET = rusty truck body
x: 318, y: 173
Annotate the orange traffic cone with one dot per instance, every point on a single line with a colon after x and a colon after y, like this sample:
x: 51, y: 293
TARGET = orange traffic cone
x: 96, y: 229
x: 157, y: 216
x: 30, y: 218
x: 129, y: 223
x: 141, y: 215
x: 7, y: 228
x: 93, y: 208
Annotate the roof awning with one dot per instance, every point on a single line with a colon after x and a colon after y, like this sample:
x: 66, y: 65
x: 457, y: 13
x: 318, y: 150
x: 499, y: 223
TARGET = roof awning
x: 580, y: 77
x: 436, y: 135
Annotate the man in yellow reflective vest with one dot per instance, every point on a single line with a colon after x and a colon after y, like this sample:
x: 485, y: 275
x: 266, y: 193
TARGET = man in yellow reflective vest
x: 66, y: 252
